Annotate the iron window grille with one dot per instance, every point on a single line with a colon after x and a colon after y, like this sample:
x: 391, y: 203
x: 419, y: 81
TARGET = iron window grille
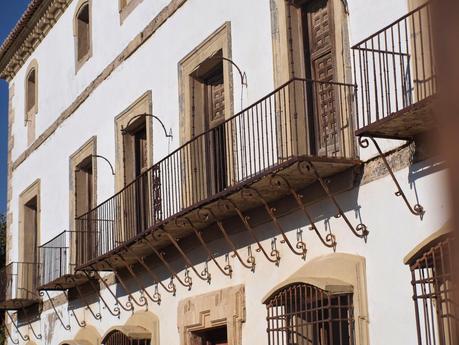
x: 433, y: 288
x: 302, y: 314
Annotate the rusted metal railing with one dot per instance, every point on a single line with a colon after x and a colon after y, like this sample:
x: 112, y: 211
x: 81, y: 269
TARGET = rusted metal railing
x: 395, y: 68
x: 18, y: 281
x: 300, y: 118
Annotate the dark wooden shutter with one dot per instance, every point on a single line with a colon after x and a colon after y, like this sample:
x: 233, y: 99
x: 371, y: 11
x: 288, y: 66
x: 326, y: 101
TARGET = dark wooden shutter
x: 318, y: 17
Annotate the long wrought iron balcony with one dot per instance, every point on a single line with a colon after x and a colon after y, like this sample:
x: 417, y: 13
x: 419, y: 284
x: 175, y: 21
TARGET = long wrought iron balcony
x: 299, y: 134
x: 60, y: 256
x: 395, y: 72
x: 18, y: 285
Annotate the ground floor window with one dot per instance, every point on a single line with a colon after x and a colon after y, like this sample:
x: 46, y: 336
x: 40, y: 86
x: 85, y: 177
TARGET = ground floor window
x: 118, y: 338
x: 303, y: 314
x: 436, y: 312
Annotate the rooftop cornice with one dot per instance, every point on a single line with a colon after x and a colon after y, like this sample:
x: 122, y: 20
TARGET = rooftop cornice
x: 37, y: 20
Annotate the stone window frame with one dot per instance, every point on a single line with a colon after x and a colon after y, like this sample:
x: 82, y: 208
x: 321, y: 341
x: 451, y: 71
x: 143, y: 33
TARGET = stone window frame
x: 220, y: 39
x: 31, y: 114
x: 80, y: 62
x: 336, y: 271
x: 143, y: 104
x: 89, y: 148
x: 125, y: 9
x: 32, y: 191
x: 225, y: 307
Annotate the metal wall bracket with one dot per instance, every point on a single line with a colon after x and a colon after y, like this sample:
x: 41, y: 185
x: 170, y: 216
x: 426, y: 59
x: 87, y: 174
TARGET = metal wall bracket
x: 416, y: 209
x: 81, y: 324
x: 23, y: 337
x: 274, y: 255
x: 300, y: 247
x: 330, y: 239
x: 37, y: 336
x: 16, y: 342
x: 42, y: 294
x: 360, y: 230
x: 116, y: 310
x: 204, y: 214
x: 96, y: 316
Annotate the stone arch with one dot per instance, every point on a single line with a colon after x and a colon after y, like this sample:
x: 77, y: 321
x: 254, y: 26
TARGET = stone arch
x: 82, y: 32
x: 143, y: 325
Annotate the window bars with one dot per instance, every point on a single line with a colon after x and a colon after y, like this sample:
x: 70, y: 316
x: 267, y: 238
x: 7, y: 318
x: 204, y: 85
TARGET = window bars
x: 302, y: 314
x: 433, y: 288
x: 118, y: 338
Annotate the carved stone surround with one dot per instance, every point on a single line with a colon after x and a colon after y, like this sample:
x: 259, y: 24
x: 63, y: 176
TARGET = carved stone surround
x: 210, y: 310
x: 21, y: 49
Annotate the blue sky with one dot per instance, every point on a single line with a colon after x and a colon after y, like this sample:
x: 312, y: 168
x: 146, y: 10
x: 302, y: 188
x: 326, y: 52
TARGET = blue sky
x: 9, y: 15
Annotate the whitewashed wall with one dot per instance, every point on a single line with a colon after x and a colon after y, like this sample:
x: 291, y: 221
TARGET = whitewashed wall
x: 394, y: 231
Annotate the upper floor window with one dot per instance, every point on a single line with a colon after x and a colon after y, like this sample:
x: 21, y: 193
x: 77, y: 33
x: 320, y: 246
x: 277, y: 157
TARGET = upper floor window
x: 31, y: 87
x: 31, y: 100
x: 82, y: 28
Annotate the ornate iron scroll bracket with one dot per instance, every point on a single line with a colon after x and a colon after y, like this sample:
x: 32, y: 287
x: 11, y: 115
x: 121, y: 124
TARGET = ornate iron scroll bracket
x: 416, y: 209
x: 227, y: 270
x: 42, y: 294
x: 170, y: 288
x: 129, y: 307
x: 300, y: 247
x: 23, y: 337
x: 360, y: 230
x: 116, y: 310
x: 274, y: 255
x: 204, y: 214
x: 138, y: 281
x: 37, y: 336
x: 330, y: 239
x: 96, y: 316
x: 187, y: 260
x: 81, y: 324
x: 142, y: 302
x: 16, y: 342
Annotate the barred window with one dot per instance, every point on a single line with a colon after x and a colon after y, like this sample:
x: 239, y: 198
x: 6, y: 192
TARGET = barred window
x: 436, y: 313
x: 118, y: 338
x: 303, y: 314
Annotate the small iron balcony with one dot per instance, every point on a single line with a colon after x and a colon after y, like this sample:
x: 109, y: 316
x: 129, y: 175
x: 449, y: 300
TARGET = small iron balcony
x: 60, y: 256
x: 395, y: 72
x: 18, y: 285
x: 299, y: 133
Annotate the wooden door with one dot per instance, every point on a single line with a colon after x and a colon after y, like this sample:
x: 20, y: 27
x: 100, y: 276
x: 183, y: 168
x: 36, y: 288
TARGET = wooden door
x: 320, y: 59
x: 28, y: 270
x: 216, y: 148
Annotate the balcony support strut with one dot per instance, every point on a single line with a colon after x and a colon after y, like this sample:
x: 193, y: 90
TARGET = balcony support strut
x: 81, y: 324
x: 116, y: 310
x: 274, y: 255
x: 330, y: 239
x: 360, y: 230
x: 227, y: 270
x: 29, y: 324
x: 154, y: 299
x: 142, y: 302
x: 42, y: 294
x: 23, y: 337
x: 300, y: 247
x: 129, y: 306
x: 416, y: 209
x: 203, y: 276
x: 171, y: 288
x: 16, y: 342
x: 204, y: 214
x: 96, y: 316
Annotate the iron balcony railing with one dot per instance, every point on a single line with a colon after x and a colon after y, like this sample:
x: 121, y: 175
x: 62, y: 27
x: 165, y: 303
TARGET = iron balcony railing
x: 18, y: 282
x: 395, y: 67
x: 60, y: 255
x: 300, y: 118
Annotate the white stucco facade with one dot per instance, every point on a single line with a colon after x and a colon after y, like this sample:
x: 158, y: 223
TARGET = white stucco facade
x: 153, y: 67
